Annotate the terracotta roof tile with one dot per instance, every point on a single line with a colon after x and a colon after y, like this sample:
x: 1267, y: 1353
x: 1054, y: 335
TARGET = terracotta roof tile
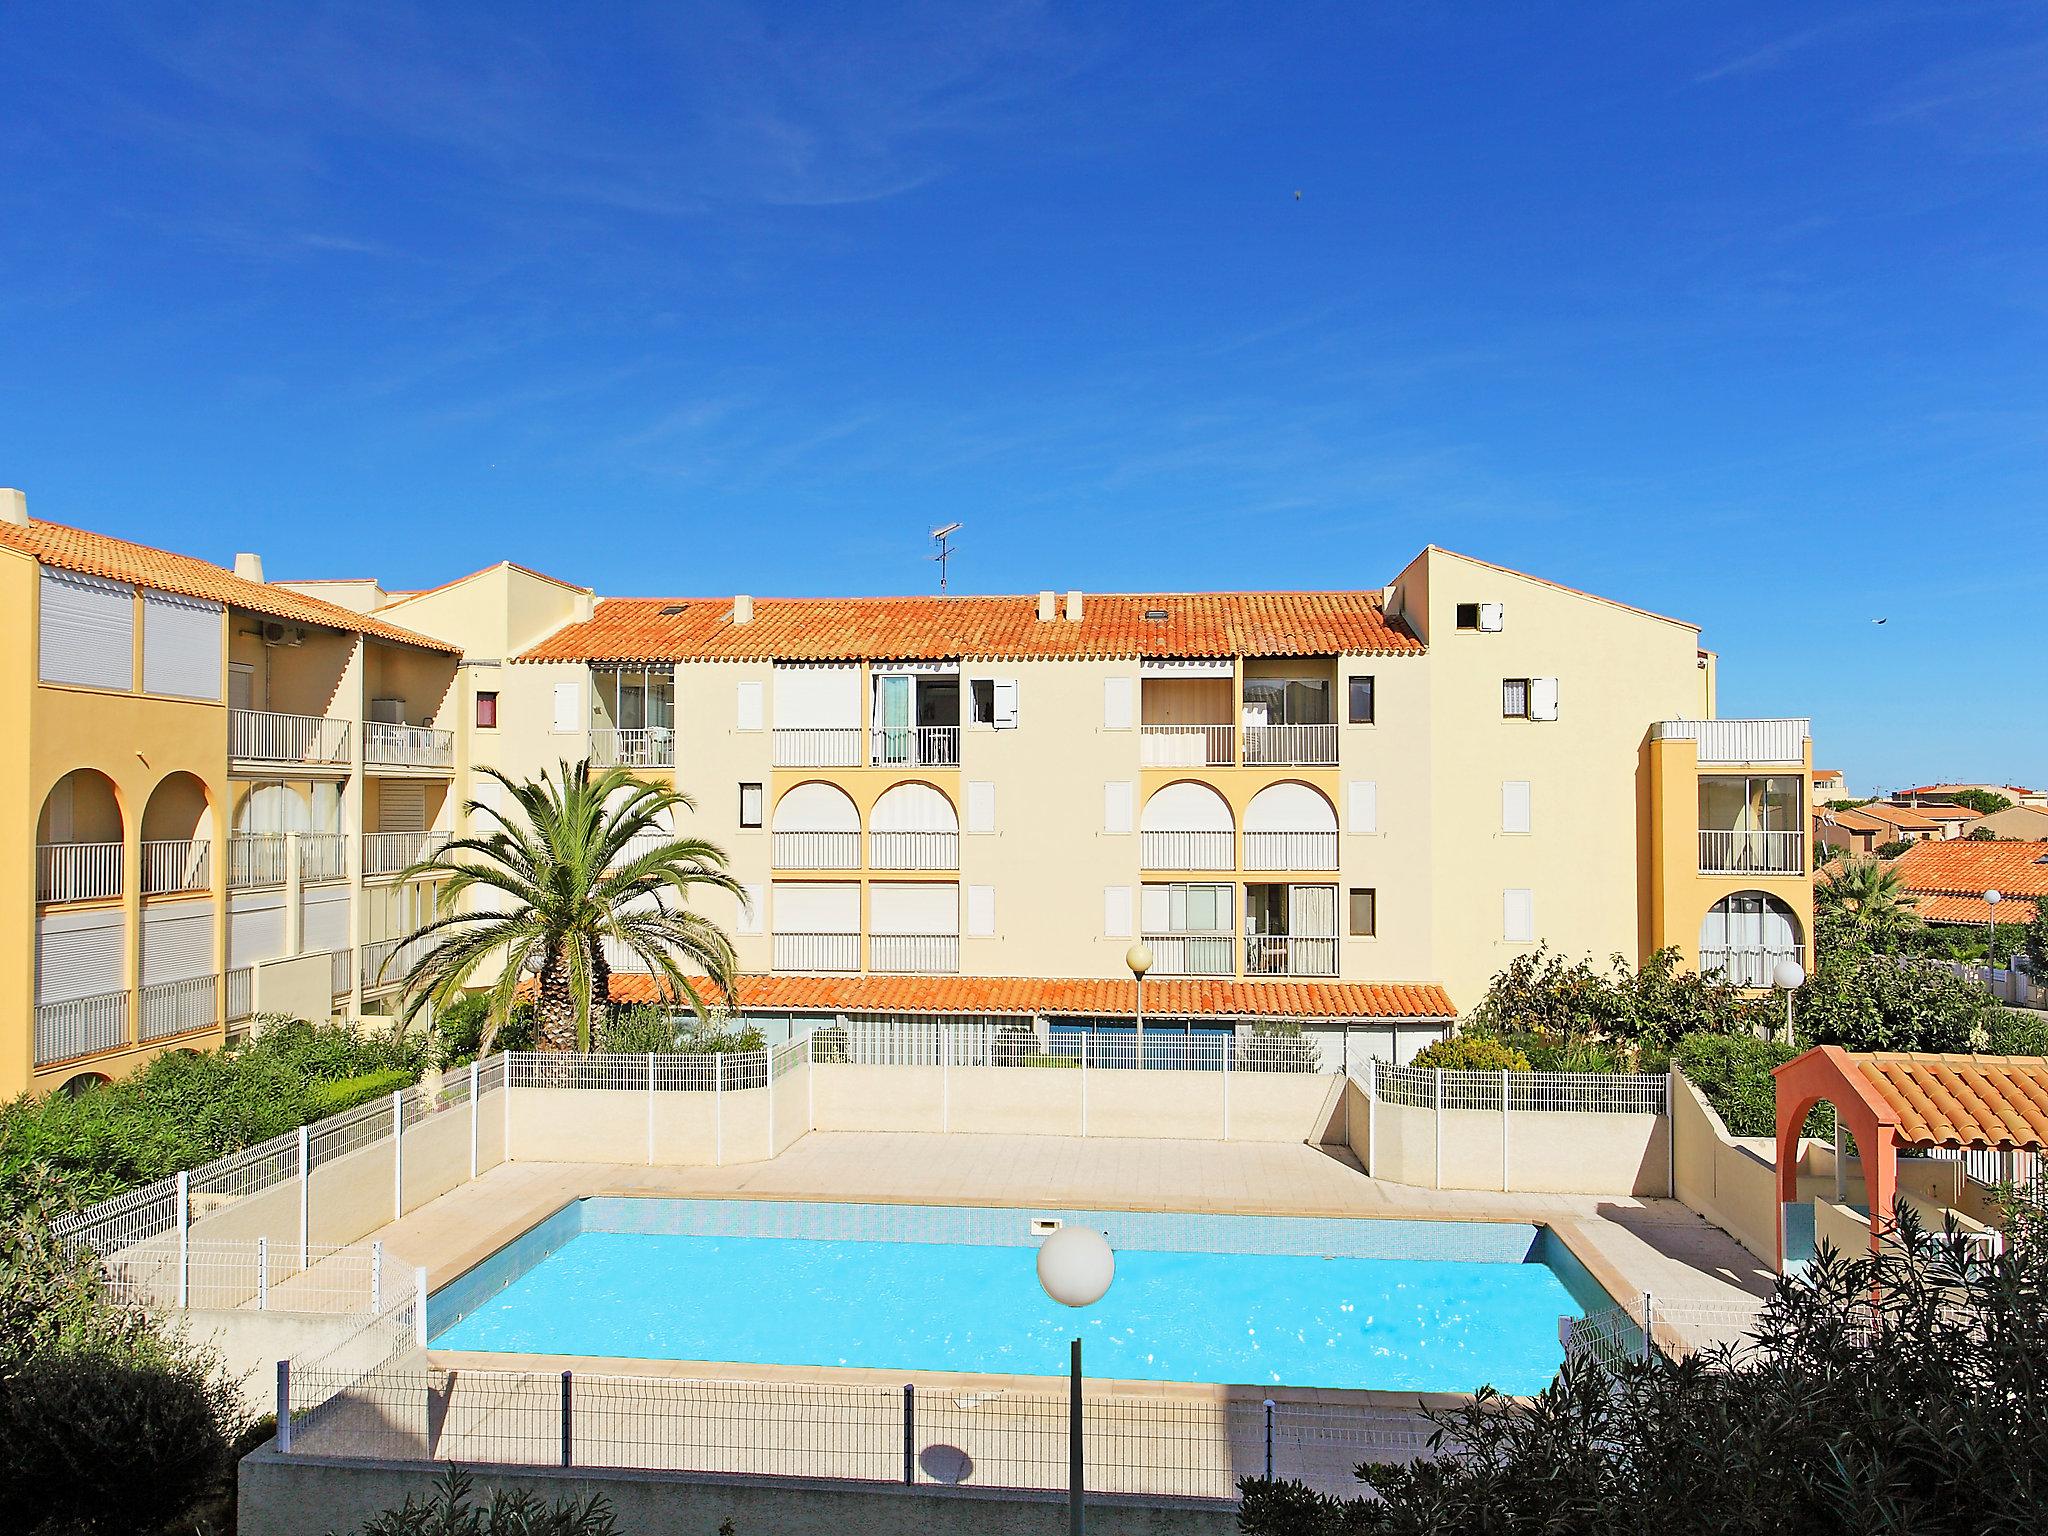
x: 1972, y: 909
x: 1962, y: 1101
x: 1210, y: 624
x: 1076, y: 996
x: 97, y: 554
x: 1968, y: 867
x: 1906, y: 818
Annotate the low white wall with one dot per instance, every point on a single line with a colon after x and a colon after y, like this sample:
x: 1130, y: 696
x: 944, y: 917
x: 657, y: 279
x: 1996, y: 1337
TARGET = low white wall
x: 1536, y: 1152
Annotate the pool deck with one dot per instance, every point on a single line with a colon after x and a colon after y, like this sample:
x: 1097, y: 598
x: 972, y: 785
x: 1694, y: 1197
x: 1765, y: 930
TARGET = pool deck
x: 1631, y: 1245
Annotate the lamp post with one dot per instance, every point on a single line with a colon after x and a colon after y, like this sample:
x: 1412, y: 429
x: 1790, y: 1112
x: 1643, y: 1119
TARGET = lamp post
x: 1788, y: 977
x: 1075, y: 1266
x: 1139, y: 958
x: 1991, y: 900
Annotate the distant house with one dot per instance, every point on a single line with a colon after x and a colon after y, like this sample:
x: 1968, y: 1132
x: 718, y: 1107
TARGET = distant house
x: 1954, y: 820
x: 1830, y: 784
x: 1924, y: 795
x: 1865, y: 829
x: 2024, y: 823
x: 1948, y: 879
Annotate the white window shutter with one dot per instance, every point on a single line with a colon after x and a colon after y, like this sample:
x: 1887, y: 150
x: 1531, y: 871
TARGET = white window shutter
x: 1518, y: 916
x: 747, y: 707
x: 981, y: 911
x: 1492, y: 618
x: 1116, y: 806
x: 1116, y: 911
x: 1362, y: 814
x: 181, y: 645
x: 1514, y: 805
x: 1542, y: 698
x: 569, y: 707
x: 1116, y: 703
x: 753, y: 907
x: 1005, y: 704
x: 981, y: 806
x: 87, y: 630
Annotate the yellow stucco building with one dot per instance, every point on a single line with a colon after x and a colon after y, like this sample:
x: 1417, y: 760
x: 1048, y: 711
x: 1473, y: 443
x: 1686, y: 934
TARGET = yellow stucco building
x: 1344, y: 809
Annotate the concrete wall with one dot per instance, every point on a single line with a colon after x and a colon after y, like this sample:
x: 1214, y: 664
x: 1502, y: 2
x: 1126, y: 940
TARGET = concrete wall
x: 1726, y: 1182
x: 1525, y: 1152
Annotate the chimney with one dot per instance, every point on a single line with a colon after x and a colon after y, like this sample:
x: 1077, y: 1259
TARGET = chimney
x: 249, y: 567
x: 13, y: 506
x: 1073, y: 607
x: 743, y: 609
x: 1048, y: 607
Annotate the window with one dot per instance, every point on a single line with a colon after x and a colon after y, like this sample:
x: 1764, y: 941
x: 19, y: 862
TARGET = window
x: 1468, y: 615
x: 569, y: 714
x: 1518, y: 916
x: 981, y: 911
x: 981, y: 806
x: 1514, y: 698
x: 487, y: 711
x: 1361, y: 701
x: 1116, y: 911
x: 750, y: 805
x: 1514, y: 805
x: 1116, y: 703
x: 747, y: 706
x: 981, y: 701
x: 1489, y: 618
x: 1365, y: 913
x: 1116, y: 806
x: 1363, y: 809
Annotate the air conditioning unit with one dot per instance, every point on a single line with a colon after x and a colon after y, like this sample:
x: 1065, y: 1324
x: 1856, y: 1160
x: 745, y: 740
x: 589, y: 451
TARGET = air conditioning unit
x: 1492, y: 618
x: 280, y: 634
x: 388, y: 711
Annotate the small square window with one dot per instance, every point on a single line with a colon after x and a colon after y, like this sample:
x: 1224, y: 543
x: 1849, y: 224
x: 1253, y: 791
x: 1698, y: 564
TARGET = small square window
x: 487, y: 711
x: 1514, y: 698
x: 1361, y: 700
x: 1468, y: 615
x: 981, y: 701
x: 1365, y: 913
x: 750, y: 805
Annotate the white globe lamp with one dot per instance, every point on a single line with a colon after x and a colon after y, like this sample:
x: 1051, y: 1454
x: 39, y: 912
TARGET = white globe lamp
x: 1788, y: 976
x: 1075, y: 1265
x: 1991, y: 900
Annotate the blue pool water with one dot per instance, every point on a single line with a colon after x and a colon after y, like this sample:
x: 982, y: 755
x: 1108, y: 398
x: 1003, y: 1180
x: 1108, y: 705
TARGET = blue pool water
x: 1421, y: 1306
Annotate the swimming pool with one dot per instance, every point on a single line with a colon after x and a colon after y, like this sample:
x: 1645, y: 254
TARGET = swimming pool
x: 1397, y: 1305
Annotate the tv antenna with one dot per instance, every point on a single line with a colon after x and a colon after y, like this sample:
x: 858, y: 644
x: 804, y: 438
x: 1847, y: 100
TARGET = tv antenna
x: 946, y: 550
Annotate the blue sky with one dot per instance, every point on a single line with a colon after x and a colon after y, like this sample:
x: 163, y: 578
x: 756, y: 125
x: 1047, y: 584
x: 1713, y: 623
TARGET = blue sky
x: 1738, y: 312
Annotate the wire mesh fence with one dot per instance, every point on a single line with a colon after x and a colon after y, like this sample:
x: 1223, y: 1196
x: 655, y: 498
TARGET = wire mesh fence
x: 1609, y: 1093
x: 356, y: 1279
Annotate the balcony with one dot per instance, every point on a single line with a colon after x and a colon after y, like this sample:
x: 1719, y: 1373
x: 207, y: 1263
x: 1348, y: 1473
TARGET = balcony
x: 1740, y: 741
x: 407, y: 746
x: 1186, y: 850
x: 1290, y: 850
x: 1187, y: 746
x: 1753, y: 853
x: 817, y: 747
x: 914, y: 850
x: 916, y: 954
x: 81, y: 1026
x: 172, y: 868
x: 1290, y: 746
x: 241, y: 994
x: 817, y: 951
x: 1752, y: 967
x: 914, y: 746
x: 77, y: 871
x: 392, y: 853
x: 1191, y: 954
x: 255, y: 859
x: 260, y: 736
x: 1280, y: 954
x: 644, y: 747
x: 376, y: 978
x: 178, y: 1007
x: 817, y: 850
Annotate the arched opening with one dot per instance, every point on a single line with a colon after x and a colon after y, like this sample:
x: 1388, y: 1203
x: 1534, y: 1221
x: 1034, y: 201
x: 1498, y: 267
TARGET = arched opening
x: 1186, y: 825
x: 816, y: 826
x: 177, y: 835
x: 78, y: 839
x: 82, y: 1083
x: 913, y: 826
x: 1290, y: 826
x: 1745, y: 936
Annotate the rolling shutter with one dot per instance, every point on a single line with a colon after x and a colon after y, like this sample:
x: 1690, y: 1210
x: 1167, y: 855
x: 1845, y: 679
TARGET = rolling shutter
x: 177, y: 944
x: 911, y: 908
x: 255, y: 930
x: 401, y: 807
x: 79, y: 955
x: 817, y: 698
x: 325, y: 926
x: 831, y: 908
x: 181, y: 641
x: 87, y: 631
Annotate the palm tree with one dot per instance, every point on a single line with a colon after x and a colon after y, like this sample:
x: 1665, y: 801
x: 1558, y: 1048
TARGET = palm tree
x: 1870, y: 895
x: 575, y: 864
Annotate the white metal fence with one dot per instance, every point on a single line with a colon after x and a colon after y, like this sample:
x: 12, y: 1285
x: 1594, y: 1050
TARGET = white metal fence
x: 354, y: 1279
x: 178, y: 1007
x: 323, y: 855
x: 918, y: 954
x: 1290, y: 850
x: 637, y: 747
x: 1607, y: 1093
x: 914, y: 850
x: 1187, y: 746
x: 1186, y: 850
x: 407, y: 746
x: 263, y: 736
x: 817, y: 746
x: 387, y: 853
x: 1739, y: 741
x: 1289, y: 954
x: 817, y: 850
x: 80, y: 1026
x: 1748, y: 967
x: 1192, y: 954
x: 1290, y: 745
x: 77, y: 871
x: 241, y: 985
x: 817, y: 951
x: 255, y: 858
x: 173, y: 866
x: 1757, y: 853
x: 914, y: 746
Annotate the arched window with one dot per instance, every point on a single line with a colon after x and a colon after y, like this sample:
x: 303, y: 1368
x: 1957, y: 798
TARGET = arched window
x: 913, y: 826
x: 816, y: 826
x: 177, y: 835
x: 78, y: 839
x: 1186, y: 826
x: 1744, y: 936
x: 1290, y: 826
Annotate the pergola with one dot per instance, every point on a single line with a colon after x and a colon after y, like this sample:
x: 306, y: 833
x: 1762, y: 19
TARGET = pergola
x: 1894, y: 1101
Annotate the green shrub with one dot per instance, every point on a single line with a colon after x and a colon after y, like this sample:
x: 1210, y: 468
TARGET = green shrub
x: 449, y: 1511
x: 1871, y: 1002
x: 1472, y: 1053
x: 1542, y: 993
x: 459, y: 1029
x: 639, y: 1031
x: 2018, y: 1032
x: 333, y: 1098
x: 1734, y: 1073
x: 829, y: 1044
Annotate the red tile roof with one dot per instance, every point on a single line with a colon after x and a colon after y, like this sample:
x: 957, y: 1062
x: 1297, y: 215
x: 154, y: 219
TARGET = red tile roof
x: 1169, y: 997
x: 1962, y: 1101
x: 96, y: 554
x: 1969, y: 866
x: 1210, y: 624
x: 1972, y: 909
x: 1950, y: 789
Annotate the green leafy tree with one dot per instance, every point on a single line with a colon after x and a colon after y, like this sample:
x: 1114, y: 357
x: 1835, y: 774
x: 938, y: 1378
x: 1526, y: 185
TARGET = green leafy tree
x: 1545, y: 1000
x: 2034, y: 941
x: 1472, y: 1053
x: 1983, y: 801
x: 1874, y: 898
x: 574, y: 863
x: 1865, y: 1000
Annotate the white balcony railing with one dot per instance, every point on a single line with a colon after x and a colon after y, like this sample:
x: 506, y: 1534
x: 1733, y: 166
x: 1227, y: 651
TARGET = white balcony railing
x: 1753, y: 967
x: 341, y: 972
x: 639, y: 747
x: 241, y: 994
x: 1290, y: 850
x: 407, y: 746
x: 323, y: 855
x: 1740, y: 741
x: 255, y: 858
x: 1278, y: 954
x: 77, y: 871
x: 1191, y: 954
x: 1185, y: 850
x: 389, y: 853
x: 1752, y: 853
x: 178, y: 1007
x: 1187, y: 746
x: 914, y: 850
x: 81, y: 1026
x: 817, y: 747
x: 817, y: 951
x: 919, y: 954
x: 261, y: 736
x: 376, y: 976
x: 915, y: 746
x: 1290, y: 746
x: 817, y: 850
x: 170, y: 867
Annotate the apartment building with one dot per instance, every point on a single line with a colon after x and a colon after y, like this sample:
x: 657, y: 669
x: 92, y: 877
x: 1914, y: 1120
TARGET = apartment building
x: 1346, y: 810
